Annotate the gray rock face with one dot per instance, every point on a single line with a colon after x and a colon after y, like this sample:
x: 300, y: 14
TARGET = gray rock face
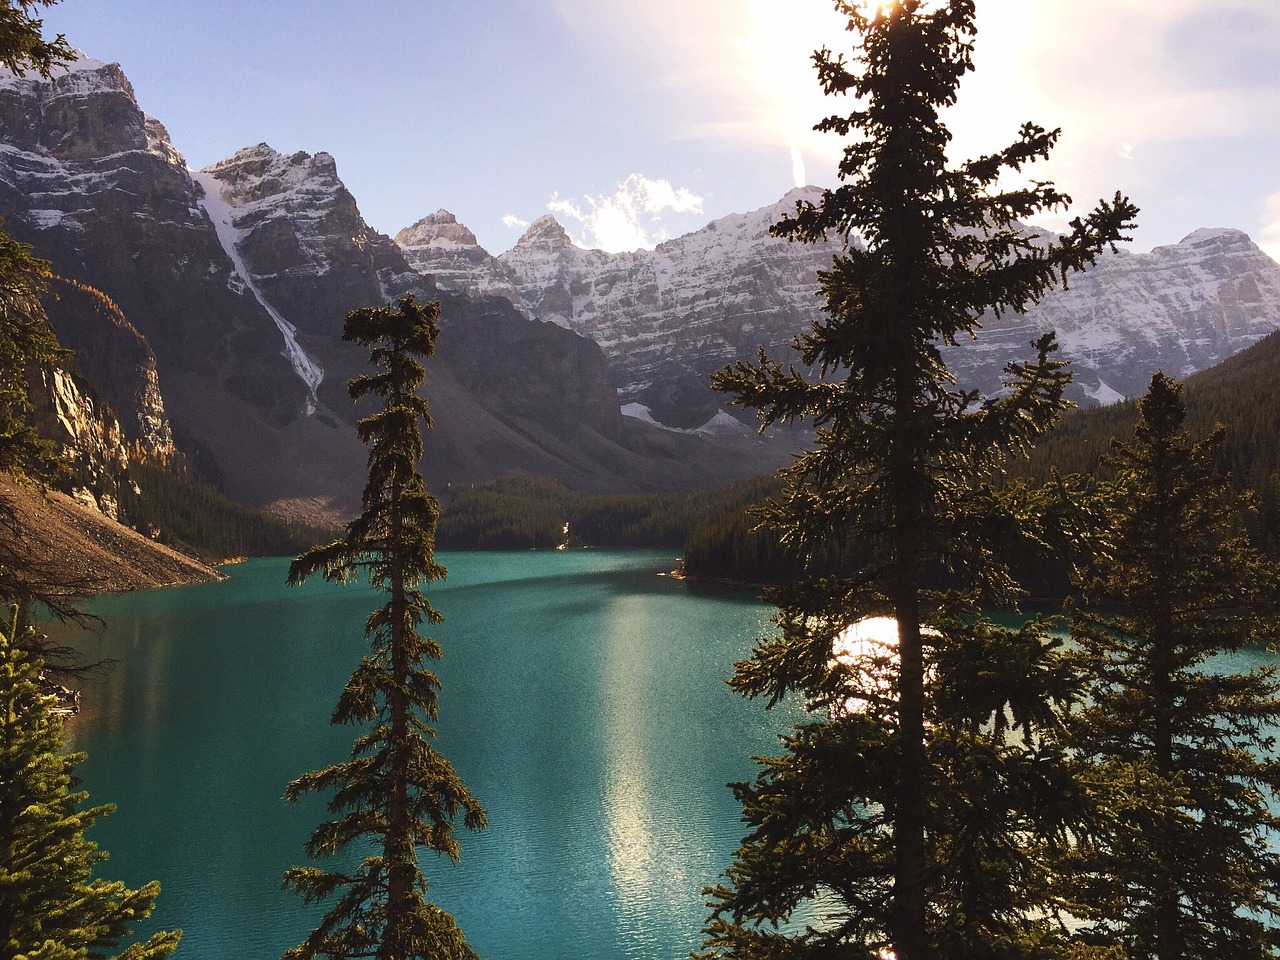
x: 666, y: 318
x: 669, y: 317
x: 95, y: 186
x: 302, y: 237
x: 1180, y: 308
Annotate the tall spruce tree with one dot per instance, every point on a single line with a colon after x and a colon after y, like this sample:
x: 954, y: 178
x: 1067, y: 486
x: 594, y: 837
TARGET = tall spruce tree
x: 51, y: 907
x: 1186, y: 748
x: 397, y: 794
x: 25, y: 337
x: 908, y: 813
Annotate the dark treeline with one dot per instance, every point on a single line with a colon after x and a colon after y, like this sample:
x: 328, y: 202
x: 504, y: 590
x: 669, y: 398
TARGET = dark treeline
x: 530, y: 513
x: 1242, y: 394
x: 168, y: 503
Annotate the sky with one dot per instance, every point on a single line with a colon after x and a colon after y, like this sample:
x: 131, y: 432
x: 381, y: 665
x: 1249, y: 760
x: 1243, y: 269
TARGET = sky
x: 633, y: 121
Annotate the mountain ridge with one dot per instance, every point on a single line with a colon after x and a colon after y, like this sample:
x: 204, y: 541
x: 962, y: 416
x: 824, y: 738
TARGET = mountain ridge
x: 668, y: 317
x: 238, y: 277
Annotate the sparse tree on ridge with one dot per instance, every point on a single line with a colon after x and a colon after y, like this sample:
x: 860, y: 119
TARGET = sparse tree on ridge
x: 1185, y: 750
x: 397, y: 794
x: 908, y: 814
x: 51, y: 907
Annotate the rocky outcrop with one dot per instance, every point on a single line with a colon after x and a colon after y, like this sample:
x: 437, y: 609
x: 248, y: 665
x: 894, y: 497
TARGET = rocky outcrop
x: 117, y: 359
x: 88, y: 435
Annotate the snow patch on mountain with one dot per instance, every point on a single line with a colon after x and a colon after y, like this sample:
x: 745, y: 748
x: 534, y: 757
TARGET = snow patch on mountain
x: 721, y: 425
x: 222, y: 216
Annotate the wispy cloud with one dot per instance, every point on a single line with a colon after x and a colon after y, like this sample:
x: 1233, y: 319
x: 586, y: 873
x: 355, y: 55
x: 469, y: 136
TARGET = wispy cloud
x: 1141, y: 88
x: 514, y: 222
x: 631, y: 217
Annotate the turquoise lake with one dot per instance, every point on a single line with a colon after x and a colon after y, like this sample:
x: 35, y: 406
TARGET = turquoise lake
x: 584, y: 705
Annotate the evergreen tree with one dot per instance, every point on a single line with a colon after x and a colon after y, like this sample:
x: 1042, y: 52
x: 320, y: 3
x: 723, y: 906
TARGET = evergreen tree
x: 26, y: 342
x: 51, y: 908
x: 909, y: 813
x: 397, y: 793
x: 22, y: 45
x: 1186, y: 749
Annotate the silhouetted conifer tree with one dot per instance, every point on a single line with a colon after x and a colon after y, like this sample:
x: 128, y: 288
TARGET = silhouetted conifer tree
x: 397, y: 794
x: 909, y: 813
x: 1186, y: 746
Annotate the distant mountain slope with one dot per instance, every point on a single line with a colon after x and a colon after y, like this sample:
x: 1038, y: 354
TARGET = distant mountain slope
x: 237, y: 279
x: 668, y: 317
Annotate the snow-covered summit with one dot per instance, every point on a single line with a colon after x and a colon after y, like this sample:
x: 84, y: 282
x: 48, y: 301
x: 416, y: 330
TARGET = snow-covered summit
x: 670, y: 316
x: 83, y: 63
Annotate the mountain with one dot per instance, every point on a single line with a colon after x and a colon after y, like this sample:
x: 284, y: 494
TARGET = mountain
x: 235, y: 281
x: 668, y: 317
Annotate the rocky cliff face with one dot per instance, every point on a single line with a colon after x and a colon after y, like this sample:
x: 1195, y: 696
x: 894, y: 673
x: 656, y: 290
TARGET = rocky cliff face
x: 88, y: 433
x: 667, y: 318
x: 95, y: 186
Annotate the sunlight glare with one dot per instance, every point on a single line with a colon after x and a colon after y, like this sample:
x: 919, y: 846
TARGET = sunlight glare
x: 861, y: 651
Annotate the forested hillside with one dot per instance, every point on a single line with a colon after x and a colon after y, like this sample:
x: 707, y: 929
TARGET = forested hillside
x: 531, y: 513
x: 1242, y: 394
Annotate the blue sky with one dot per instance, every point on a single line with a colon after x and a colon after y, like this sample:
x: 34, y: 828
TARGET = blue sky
x: 636, y: 120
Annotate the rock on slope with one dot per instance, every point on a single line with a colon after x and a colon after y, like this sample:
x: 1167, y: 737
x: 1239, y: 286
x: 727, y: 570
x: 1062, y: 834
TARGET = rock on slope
x: 67, y: 545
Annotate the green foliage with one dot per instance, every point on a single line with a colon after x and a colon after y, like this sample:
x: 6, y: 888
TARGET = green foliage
x: 396, y: 794
x: 51, y: 907
x: 1184, y: 749
x: 22, y: 47
x: 1242, y: 394
x: 920, y: 821
x: 26, y: 342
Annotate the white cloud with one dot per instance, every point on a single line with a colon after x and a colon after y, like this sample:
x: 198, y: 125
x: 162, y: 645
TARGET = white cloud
x: 514, y: 222
x: 1269, y: 238
x: 630, y: 218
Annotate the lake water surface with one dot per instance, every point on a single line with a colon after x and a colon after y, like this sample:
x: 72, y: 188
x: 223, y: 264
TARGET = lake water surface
x: 584, y: 706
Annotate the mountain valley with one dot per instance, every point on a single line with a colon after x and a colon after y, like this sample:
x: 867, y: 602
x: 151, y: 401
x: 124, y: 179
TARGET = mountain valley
x: 206, y: 309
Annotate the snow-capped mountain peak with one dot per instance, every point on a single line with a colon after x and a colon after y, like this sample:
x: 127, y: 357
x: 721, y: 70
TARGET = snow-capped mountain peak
x: 669, y: 317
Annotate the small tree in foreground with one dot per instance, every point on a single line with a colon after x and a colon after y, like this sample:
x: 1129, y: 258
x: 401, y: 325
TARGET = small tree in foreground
x: 1186, y: 748
x: 51, y: 907
x: 396, y: 794
x: 910, y: 813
